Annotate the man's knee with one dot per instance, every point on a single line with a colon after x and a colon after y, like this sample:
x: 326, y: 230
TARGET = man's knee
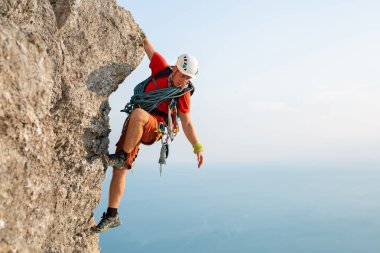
x: 140, y: 116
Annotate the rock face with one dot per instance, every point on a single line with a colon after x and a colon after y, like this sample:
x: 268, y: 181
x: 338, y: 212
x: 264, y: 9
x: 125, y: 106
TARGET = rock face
x: 59, y: 62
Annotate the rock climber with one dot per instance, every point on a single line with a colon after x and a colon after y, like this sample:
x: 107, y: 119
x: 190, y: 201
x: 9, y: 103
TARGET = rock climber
x: 171, y: 86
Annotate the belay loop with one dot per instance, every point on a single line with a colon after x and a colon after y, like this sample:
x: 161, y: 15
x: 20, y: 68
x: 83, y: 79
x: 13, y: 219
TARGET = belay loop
x: 149, y: 101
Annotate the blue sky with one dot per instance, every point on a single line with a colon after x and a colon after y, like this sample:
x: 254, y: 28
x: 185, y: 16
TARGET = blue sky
x: 282, y: 85
x: 280, y: 82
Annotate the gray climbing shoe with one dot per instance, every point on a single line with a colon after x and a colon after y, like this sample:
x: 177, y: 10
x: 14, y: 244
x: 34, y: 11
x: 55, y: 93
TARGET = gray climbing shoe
x: 106, y: 223
x: 116, y: 160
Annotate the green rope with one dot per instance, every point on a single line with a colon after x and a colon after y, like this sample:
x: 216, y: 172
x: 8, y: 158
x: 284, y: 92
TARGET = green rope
x: 150, y: 100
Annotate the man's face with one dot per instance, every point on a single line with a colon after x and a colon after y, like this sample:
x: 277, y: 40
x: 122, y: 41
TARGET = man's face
x: 179, y: 79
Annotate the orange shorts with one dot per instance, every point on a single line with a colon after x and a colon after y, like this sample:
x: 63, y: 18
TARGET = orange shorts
x: 150, y: 135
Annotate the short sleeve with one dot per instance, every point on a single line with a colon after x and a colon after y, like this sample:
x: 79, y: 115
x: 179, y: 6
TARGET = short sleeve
x: 184, y: 103
x: 157, y: 63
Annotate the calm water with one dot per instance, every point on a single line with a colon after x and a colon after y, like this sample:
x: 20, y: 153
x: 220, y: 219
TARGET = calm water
x: 247, y: 210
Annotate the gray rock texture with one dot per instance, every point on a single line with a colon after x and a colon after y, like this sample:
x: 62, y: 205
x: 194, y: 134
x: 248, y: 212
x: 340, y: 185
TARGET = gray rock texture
x: 59, y: 62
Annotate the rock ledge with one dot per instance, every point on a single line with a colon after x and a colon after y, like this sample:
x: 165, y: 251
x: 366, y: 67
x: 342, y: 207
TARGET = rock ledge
x: 59, y: 62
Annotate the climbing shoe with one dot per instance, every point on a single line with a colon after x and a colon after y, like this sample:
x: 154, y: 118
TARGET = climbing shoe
x: 106, y: 223
x: 116, y: 160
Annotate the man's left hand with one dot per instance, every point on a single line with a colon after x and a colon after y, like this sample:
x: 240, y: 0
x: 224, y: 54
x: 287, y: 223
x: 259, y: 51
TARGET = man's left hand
x: 200, y: 159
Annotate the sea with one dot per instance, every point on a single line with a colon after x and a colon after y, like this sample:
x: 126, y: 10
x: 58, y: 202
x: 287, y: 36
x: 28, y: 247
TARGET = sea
x: 241, y: 209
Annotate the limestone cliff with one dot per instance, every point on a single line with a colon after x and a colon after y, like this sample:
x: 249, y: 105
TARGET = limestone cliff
x: 59, y: 62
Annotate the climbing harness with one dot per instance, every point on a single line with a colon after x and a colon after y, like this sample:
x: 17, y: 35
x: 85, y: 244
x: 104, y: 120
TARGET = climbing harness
x: 149, y: 101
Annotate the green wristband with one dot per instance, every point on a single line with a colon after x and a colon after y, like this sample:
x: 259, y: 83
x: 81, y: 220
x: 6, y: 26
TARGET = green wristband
x: 197, y: 148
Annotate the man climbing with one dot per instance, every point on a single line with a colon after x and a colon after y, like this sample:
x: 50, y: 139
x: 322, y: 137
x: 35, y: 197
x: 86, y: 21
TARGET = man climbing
x: 153, y: 112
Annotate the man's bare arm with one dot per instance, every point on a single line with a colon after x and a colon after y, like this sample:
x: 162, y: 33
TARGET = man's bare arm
x: 189, y: 131
x: 149, y: 49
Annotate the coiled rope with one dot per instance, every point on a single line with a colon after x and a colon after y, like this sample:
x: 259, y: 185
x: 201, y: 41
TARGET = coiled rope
x: 150, y: 100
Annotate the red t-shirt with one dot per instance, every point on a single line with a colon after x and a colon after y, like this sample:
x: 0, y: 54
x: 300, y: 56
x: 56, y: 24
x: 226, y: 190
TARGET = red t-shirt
x: 157, y: 64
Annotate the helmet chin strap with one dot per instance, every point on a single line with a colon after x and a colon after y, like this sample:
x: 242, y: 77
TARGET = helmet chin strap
x: 172, y: 77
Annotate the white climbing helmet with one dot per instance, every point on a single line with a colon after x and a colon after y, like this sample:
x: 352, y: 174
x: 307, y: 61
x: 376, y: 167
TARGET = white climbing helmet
x: 187, y: 64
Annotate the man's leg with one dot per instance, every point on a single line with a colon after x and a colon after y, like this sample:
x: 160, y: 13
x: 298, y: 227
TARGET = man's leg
x: 134, y: 132
x: 138, y: 119
x: 117, y: 187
